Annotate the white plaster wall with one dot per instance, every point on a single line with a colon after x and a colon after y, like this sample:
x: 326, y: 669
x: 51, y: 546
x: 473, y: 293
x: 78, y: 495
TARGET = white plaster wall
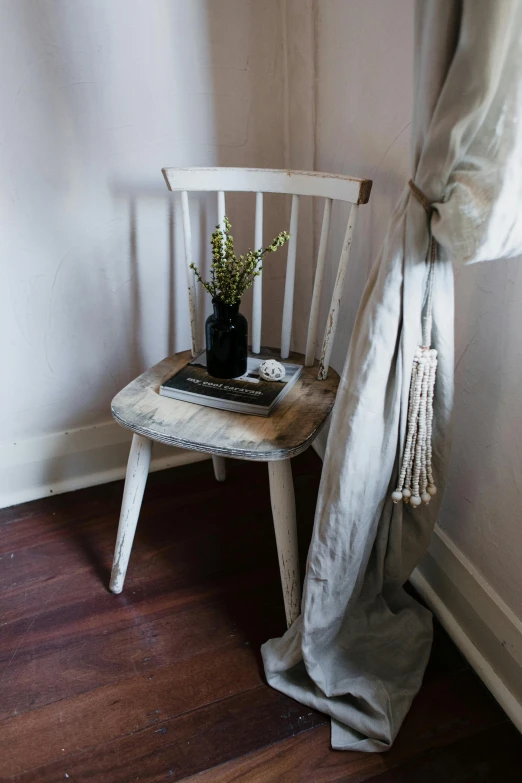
x: 482, y: 510
x: 362, y: 125
x: 363, y: 61
x: 95, y: 97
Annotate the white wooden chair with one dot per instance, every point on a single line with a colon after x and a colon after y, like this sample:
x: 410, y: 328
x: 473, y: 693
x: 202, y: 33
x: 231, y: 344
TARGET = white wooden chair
x: 293, y: 426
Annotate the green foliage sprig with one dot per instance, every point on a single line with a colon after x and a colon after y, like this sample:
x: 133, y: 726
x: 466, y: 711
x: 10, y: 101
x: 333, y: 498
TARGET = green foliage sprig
x: 231, y: 275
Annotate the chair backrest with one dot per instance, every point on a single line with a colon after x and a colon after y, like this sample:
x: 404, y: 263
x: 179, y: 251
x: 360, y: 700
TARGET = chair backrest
x: 295, y: 183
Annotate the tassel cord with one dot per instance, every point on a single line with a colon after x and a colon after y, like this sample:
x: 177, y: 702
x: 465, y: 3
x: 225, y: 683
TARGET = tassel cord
x: 415, y: 483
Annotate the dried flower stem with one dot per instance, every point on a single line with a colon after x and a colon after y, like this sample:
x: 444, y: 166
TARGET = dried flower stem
x: 231, y: 275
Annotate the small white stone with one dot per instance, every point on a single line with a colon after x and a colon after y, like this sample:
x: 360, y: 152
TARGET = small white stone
x: 431, y: 489
x: 270, y: 370
x: 425, y: 497
x: 396, y: 496
x: 406, y: 493
x: 415, y: 500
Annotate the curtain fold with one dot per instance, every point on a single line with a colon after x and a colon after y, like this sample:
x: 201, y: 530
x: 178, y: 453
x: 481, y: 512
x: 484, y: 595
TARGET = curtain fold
x: 359, y: 649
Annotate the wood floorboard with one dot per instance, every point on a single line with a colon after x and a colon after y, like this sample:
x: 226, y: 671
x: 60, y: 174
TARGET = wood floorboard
x: 445, y: 710
x: 206, y: 555
x: 106, y: 713
x: 171, y: 750
x: 93, y: 653
x: 164, y: 682
x: 492, y: 756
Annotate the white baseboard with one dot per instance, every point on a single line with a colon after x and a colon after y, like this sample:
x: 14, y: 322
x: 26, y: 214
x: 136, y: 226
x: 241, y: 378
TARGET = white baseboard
x: 483, y: 627
x: 66, y: 461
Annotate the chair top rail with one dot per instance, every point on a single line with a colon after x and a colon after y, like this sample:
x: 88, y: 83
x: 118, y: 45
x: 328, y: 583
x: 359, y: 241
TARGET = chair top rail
x: 300, y: 183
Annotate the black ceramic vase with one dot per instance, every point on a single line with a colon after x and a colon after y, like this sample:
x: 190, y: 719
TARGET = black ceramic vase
x: 226, y: 332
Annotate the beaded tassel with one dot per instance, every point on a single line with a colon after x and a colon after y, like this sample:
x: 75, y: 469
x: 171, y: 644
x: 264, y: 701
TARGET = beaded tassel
x: 416, y: 484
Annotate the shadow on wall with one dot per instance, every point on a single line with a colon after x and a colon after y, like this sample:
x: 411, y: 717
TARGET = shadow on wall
x: 105, y: 95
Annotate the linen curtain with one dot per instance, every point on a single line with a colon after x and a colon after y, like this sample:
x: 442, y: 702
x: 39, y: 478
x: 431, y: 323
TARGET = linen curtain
x: 359, y: 649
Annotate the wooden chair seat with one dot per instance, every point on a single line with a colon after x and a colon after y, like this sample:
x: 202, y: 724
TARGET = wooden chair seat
x: 288, y: 431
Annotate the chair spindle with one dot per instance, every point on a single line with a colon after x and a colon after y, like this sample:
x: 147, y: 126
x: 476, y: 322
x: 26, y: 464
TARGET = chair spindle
x: 333, y: 315
x: 257, y: 300
x: 221, y: 209
x: 311, y: 339
x: 288, y: 304
x: 187, y: 235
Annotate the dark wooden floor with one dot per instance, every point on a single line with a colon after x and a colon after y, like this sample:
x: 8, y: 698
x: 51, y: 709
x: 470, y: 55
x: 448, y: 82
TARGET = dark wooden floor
x: 164, y: 682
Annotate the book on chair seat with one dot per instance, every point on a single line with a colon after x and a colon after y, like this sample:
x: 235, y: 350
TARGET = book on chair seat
x: 247, y: 394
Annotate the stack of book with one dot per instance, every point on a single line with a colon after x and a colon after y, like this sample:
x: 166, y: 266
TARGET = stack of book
x: 247, y: 394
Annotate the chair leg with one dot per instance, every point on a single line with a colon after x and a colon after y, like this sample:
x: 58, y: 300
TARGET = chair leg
x: 135, y: 480
x: 283, y: 510
x: 220, y: 467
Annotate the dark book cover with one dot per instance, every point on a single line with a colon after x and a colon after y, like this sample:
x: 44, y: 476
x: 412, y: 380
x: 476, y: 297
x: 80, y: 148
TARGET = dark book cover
x: 247, y: 394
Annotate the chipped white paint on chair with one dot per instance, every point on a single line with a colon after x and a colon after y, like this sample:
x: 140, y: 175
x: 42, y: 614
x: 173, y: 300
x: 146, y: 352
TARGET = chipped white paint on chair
x: 135, y: 480
x: 220, y: 467
x: 283, y: 512
x: 298, y: 184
